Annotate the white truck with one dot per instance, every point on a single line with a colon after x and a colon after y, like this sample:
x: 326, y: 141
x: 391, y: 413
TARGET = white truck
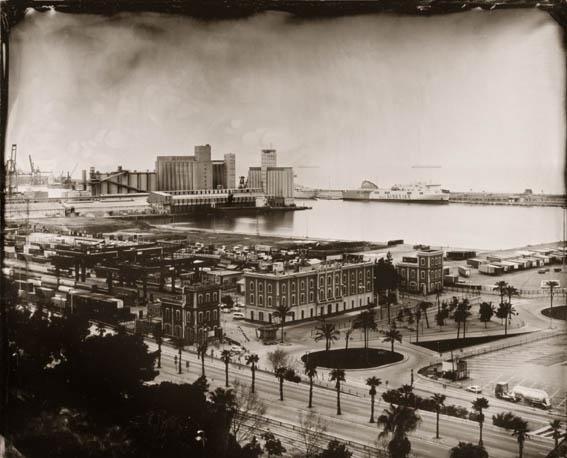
x: 533, y: 396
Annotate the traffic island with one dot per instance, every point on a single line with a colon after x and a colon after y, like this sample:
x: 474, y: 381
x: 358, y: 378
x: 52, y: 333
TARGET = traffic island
x: 447, y: 345
x: 557, y: 313
x: 353, y: 358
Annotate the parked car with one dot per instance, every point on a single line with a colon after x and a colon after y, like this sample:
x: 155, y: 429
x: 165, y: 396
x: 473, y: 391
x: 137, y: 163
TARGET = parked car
x: 474, y: 389
x: 238, y: 316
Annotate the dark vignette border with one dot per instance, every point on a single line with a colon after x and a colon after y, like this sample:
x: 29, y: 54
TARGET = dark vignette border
x: 13, y: 11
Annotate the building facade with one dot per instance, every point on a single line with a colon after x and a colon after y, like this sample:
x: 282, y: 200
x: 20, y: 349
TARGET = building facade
x: 423, y: 272
x: 274, y: 181
x: 120, y: 181
x: 195, y: 315
x: 195, y: 172
x: 312, y: 293
x: 171, y: 202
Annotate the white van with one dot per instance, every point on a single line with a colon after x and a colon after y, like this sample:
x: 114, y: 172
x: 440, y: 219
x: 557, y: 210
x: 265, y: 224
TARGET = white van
x: 238, y: 316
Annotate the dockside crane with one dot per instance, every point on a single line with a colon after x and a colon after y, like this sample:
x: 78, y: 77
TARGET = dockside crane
x: 11, y: 172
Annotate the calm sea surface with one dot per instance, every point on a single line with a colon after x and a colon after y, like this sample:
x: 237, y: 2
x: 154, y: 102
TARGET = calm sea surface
x: 453, y: 225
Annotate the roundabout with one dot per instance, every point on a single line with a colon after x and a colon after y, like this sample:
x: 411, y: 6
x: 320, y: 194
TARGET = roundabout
x: 353, y: 358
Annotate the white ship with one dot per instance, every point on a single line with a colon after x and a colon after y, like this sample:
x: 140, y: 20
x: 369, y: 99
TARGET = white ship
x: 411, y: 193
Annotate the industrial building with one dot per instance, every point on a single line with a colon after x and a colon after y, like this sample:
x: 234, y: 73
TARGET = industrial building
x: 199, y: 171
x: 172, y: 202
x: 274, y: 181
x: 121, y: 181
x: 423, y: 272
x: 313, y: 291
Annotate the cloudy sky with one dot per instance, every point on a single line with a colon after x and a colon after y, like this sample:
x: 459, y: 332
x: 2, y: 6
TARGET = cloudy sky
x: 480, y: 94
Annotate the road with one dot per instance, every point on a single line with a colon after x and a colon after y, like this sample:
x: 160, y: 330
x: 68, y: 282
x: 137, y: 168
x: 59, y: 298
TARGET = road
x: 353, y: 424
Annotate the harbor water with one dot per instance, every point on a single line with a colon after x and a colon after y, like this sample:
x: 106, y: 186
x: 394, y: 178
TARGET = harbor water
x: 454, y: 225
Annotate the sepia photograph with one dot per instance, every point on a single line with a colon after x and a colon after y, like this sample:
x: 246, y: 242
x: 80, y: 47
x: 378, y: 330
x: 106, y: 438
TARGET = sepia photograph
x: 296, y: 228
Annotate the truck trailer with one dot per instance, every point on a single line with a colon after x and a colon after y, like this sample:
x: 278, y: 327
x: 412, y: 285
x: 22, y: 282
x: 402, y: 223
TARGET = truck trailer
x: 535, y: 397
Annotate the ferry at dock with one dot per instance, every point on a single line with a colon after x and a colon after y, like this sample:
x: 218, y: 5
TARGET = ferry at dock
x: 420, y: 193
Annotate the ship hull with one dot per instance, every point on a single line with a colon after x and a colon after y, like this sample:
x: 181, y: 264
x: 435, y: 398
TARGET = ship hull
x: 401, y: 201
x: 369, y: 196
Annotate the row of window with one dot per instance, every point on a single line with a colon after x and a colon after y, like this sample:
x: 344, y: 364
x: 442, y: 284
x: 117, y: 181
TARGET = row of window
x: 323, y: 310
x: 303, y: 296
x: 436, y: 261
x: 167, y: 315
x: 251, y: 284
x: 207, y: 298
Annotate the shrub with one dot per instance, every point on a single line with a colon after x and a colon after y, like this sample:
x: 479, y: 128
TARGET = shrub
x: 455, y: 411
x: 506, y: 420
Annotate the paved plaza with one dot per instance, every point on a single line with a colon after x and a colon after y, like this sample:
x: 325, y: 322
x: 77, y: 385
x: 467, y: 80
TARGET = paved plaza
x: 541, y: 365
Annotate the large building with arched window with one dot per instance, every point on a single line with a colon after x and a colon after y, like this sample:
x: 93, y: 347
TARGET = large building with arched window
x: 312, y: 292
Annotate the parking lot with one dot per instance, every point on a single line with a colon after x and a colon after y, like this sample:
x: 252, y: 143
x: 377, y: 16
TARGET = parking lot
x: 541, y: 365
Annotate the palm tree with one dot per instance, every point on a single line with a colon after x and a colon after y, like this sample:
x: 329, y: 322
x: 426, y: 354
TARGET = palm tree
x: 417, y: 320
x: 391, y: 335
x: 501, y: 287
x: 552, y: 284
x: 478, y: 405
x: 202, y: 352
x: 338, y: 376
x: 424, y: 306
x: 398, y: 421
x: 348, y: 332
x: 438, y: 401
x: 226, y: 358
x: 556, y: 435
x: 461, y: 314
x: 510, y: 291
x: 281, y: 311
x: 326, y: 331
x: 253, y: 361
x: 179, y: 344
x: 505, y: 312
x: 310, y: 369
x: 286, y: 373
x: 366, y: 321
x: 372, y: 382
x: 521, y: 434
x: 157, y: 332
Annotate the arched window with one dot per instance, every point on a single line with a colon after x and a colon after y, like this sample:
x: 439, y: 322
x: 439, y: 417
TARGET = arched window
x: 283, y: 289
x: 215, y: 315
x: 200, y: 299
x: 269, y: 301
x: 251, y: 286
x: 269, y: 287
x: 261, y: 287
x: 200, y: 317
x: 208, y: 297
x: 208, y: 316
x: 215, y: 297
